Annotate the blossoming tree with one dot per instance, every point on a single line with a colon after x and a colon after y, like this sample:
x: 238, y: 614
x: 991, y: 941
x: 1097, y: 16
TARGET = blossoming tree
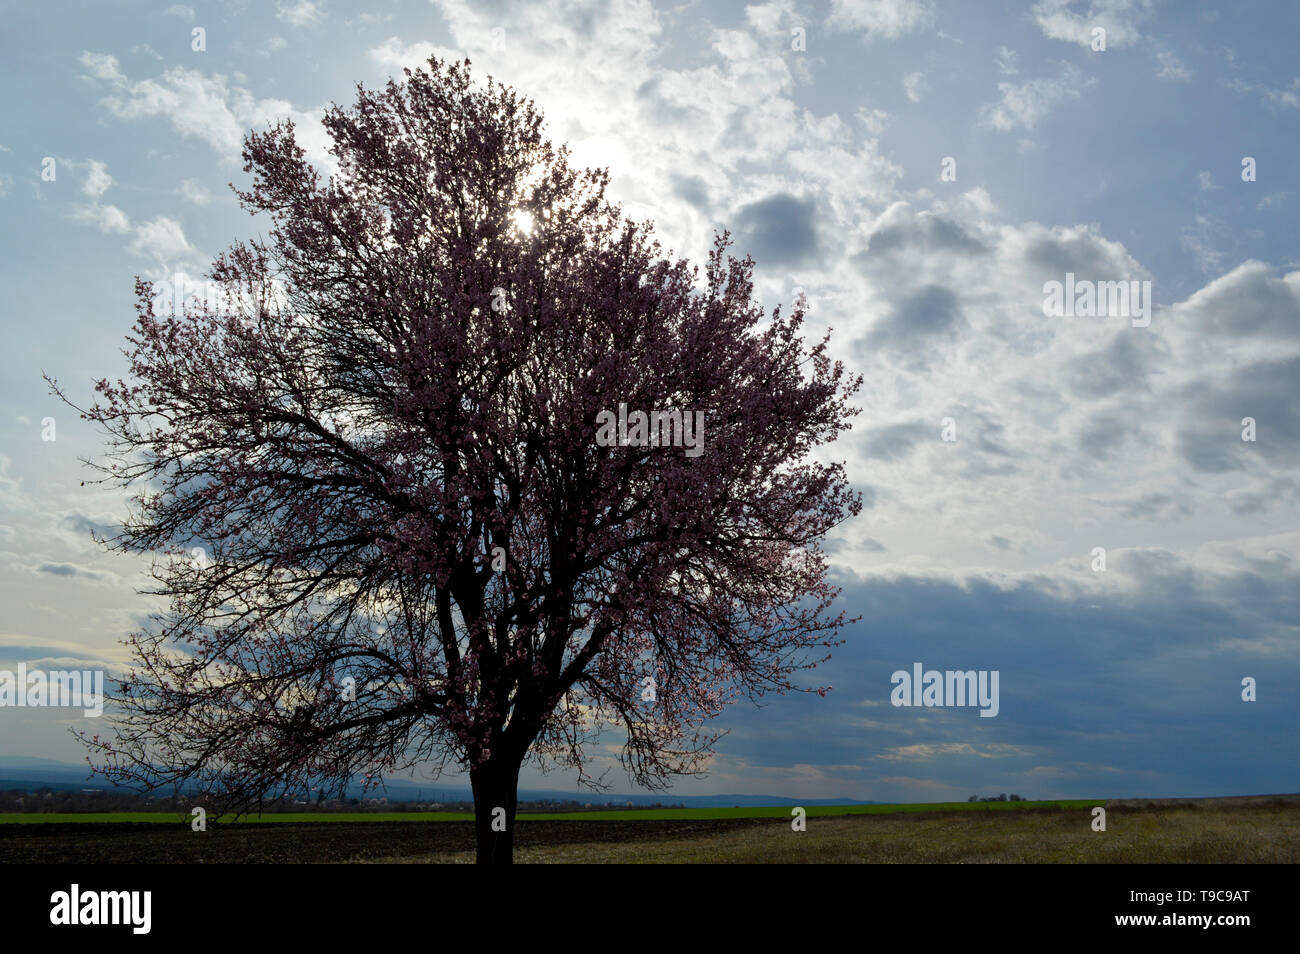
x: 414, y: 551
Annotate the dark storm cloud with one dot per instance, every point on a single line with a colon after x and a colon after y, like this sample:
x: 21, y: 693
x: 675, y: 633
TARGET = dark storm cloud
x: 1154, y: 506
x: 656, y: 108
x: 1268, y: 391
x: 1245, y: 303
x: 979, y: 443
x: 870, y: 495
x: 1104, y: 433
x: 84, y: 524
x: 1212, y: 451
x: 924, y: 232
x: 1083, y: 255
x: 1120, y: 366
x: 931, y: 313
x: 1130, y: 695
x: 986, y: 433
x: 778, y: 230
x: 894, y: 440
x: 692, y: 189
x: 980, y: 447
x: 1265, y: 496
x: 70, y: 570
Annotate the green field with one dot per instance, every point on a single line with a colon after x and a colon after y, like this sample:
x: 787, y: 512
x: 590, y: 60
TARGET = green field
x: 630, y: 814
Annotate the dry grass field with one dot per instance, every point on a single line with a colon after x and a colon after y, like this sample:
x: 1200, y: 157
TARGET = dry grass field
x: 1166, y: 831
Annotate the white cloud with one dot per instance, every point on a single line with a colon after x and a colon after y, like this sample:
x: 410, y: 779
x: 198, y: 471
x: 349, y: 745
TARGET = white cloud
x: 1008, y: 61
x: 1172, y: 68
x: 881, y: 18
x: 106, y: 218
x: 302, y: 13
x: 181, y: 10
x: 102, y: 66
x: 97, y: 179
x: 942, y: 314
x: 1287, y: 97
x: 1200, y: 241
x: 769, y: 17
x: 192, y: 190
x: 11, y: 641
x: 980, y: 201
x: 206, y: 107
x: 1073, y: 22
x: 914, y: 86
x: 162, y: 238
x: 928, y: 751
x: 395, y: 54
x: 196, y: 105
x: 874, y: 120
x: 1027, y: 104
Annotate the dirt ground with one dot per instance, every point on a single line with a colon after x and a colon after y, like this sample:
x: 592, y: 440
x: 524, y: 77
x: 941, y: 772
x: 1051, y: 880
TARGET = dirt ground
x: 152, y: 843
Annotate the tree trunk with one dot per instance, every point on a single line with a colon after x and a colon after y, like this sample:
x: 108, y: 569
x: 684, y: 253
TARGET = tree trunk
x: 495, y: 784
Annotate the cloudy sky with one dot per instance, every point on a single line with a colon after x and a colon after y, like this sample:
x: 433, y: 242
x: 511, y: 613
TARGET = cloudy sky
x: 820, y: 135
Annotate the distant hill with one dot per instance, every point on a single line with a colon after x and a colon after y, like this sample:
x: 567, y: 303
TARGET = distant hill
x: 31, y: 774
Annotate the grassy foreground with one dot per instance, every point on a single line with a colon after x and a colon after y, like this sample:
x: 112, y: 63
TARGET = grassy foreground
x: 1203, y: 831
x: 631, y: 814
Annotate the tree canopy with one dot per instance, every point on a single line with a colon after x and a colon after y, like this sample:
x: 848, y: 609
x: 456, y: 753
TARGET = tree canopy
x: 416, y: 550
